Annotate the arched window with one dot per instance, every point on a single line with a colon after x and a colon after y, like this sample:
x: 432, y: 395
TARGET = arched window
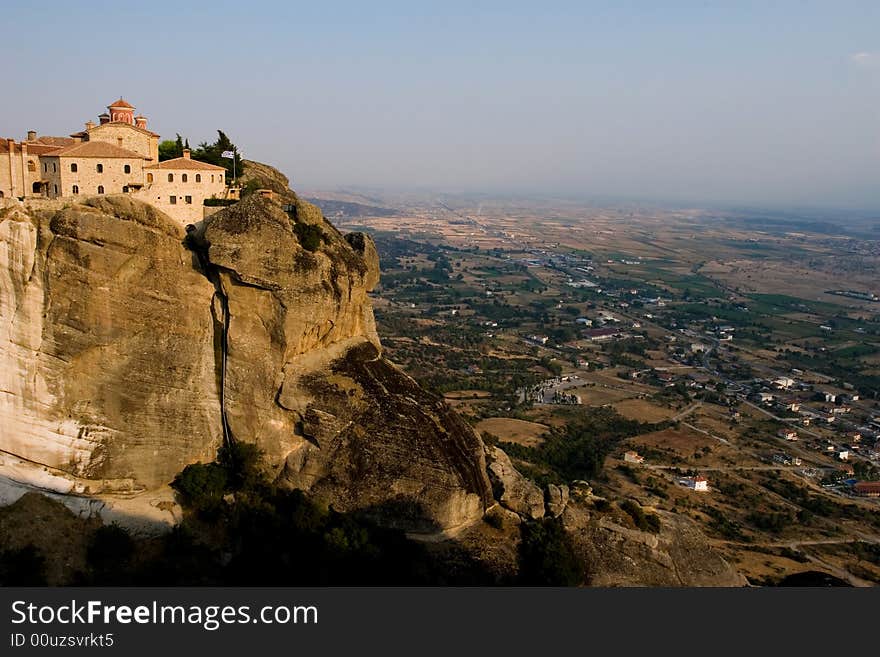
x: 31, y: 166
x: 73, y: 167
x: 1, y: 193
x: 100, y: 168
x: 76, y: 189
x: 212, y: 177
x: 198, y: 177
x: 149, y: 177
x: 54, y: 167
x: 183, y: 178
x: 100, y: 189
x: 119, y: 142
x: 56, y: 189
x: 127, y: 168
x: 170, y: 177
x: 45, y: 166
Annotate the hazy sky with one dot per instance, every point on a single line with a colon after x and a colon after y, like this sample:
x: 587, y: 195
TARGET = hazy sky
x: 734, y: 101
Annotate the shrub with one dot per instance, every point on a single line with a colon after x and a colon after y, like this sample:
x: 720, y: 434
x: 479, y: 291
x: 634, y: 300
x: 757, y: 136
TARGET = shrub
x: 309, y: 236
x: 201, y: 484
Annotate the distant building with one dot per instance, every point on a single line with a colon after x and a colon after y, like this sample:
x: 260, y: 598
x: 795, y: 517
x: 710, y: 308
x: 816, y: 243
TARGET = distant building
x: 788, y: 434
x: 633, y: 457
x: 783, y: 382
x: 867, y: 488
x: 698, y: 483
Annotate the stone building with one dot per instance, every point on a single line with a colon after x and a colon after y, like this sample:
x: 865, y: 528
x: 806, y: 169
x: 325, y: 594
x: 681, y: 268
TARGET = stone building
x: 180, y: 186
x: 118, y: 155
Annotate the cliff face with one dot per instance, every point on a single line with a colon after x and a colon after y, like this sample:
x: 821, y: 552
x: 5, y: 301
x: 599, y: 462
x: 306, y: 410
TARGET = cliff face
x: 106, y: 347
x: 128, y: 351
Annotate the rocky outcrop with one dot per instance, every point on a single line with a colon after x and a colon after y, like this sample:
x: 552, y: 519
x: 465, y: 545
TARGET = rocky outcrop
x: 618, y: 555
x: 556, y: 499
x: 511, y: 488
x: 306, y: 381
x: 129, y: 349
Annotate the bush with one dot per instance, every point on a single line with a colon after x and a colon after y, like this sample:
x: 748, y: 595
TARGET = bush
x: 201, y: 484
x: 645, y: 522
x: 309, y: 236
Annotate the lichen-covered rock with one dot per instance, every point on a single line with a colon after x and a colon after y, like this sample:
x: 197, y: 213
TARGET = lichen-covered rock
x: 511, y: 488
x: 377, y: 443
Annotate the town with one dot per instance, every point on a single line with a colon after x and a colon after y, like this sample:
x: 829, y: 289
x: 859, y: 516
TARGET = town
x: 765, y: 390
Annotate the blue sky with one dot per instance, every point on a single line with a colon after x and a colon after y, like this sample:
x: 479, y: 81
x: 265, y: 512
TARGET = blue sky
x: 775, y: 103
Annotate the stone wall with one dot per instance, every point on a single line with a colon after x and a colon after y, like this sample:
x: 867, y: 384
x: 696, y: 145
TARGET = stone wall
x: 133, y: 139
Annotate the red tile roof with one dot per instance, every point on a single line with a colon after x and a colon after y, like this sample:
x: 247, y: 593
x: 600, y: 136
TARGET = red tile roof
x: 96, y: 149
x: 121, y: 103
x: 53, y: 141
x: 185, y: 163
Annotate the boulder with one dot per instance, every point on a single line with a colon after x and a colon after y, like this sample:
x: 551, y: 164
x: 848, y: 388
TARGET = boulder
x: 511, y: 488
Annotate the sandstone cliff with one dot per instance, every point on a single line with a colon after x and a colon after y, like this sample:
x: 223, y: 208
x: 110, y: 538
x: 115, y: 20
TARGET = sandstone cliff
x: 128, y: 350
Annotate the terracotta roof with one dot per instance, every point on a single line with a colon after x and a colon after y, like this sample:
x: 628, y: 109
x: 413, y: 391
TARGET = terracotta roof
x: 121, y: 103
x: 185, y: 163
x: 4, y: 146
x: 53, y: 141
x: 96, y: 149
x: 130, y: 125
x: 41, y: 149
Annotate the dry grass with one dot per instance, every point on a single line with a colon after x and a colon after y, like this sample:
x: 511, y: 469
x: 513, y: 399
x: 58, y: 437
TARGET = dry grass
x: 643, y: 410
x: 521, y: 432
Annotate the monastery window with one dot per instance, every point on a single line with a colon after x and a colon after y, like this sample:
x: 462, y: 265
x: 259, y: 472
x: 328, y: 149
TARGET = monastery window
x: 56, y: 189
x: 45, y: 167
x: 125, y: 189
x: 127, y: 168
x: 212, y: 177
x: 170, y: 177
x: 149, y: 177
x: 172, y: 200
x: 1, y: 193
x: 73, y: 167
x: 76, y: 189
x: 100, y: 189
x: 119, y: 142
x: 184, y: 178
x: 100, y: 168
x: 198, y: 177
x: 188, y: 200
x: 54, y: 167
x: 31, y: 166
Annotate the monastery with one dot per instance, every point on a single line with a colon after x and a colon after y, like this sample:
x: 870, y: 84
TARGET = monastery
x: 118, y: 155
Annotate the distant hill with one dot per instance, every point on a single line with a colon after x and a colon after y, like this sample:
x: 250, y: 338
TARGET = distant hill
x: 345, y: 209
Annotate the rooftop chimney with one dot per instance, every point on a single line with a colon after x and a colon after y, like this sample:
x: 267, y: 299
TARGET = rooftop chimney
x: 104, y: 118
x: 90, y: 125
x: 141, y: 121
x: 186, y: 153
x: 32, y: 135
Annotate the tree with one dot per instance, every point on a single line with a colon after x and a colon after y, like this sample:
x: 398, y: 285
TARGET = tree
x: 213, y: 154
x: 170, y: 149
